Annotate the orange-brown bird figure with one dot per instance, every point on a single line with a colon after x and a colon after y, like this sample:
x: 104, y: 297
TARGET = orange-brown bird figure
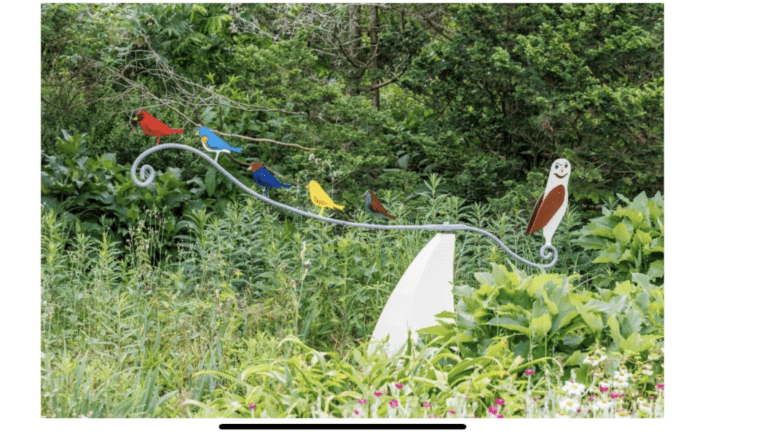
x: 373, y: 205
x: 153, y: 127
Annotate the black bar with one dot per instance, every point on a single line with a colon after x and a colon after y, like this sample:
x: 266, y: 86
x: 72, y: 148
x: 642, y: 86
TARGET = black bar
x: 342, y: 426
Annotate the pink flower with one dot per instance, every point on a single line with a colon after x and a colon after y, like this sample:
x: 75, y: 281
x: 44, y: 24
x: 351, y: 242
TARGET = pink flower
x: 362, y: 401
x: 529, y: 372
x: 492, y: 410
x: 356, y: 412
x: 579, y: 410
x: 432, y: 416
x: 603, y: 388
x: 394, y: 403
x: 652, y: 398
x: 451, y: 412
x: 614, y: 395
x: 591, y: 398
x: 399, y: 385
x: 499, y: 401
x: 378, y: 394
x: 499, y: 416
x: 427, y: 405
x: 660, y: 386
x: 252, y: 406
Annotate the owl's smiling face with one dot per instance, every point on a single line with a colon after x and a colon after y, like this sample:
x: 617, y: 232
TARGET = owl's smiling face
x: 561, y: 168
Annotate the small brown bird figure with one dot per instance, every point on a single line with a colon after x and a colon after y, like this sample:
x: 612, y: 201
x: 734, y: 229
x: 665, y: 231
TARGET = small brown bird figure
x: 373, y: 205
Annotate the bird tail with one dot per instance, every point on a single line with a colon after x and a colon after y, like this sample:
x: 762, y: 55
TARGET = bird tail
x: 286, y: 185
x: 236, y: 149
x: 390, y: 216
x: 177, y: 131
x: 340, y: 207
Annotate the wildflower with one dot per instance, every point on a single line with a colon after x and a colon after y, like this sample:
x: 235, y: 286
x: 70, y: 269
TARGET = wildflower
x: 451, y: 412
x: 572, y: 388
x: 398, y: 385
x: 579, y: 410
x: 252, y: 406
x: 652, y: 398
x: 602, y: 404
x: 356, y: 412
x: 394, y: 403
x: 492, y: 410
x: 529, y: 372
x: 562, y: 414
x: 604, y: 386
x: 614, y: 395
x: 362, y: 401
x: 433, y: 416
x: 499, y: 401
x: 591, y: 398
x: 621, y: 412
x: 378, y: 394
x: 427, y: 405
x: 499, y: 416
x: 660, y: 386
x: 647, y: 369
x: 569, y: 404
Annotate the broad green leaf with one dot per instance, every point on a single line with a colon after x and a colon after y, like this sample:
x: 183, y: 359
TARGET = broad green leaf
x: 540, y: 326
x: 622, y: 233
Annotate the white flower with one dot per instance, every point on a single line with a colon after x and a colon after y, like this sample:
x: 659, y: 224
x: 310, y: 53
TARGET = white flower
x: 644, y: 405
x: 569, y: 404
x: 647, y: 369
x: 621, y: 379
x: 602, y: 403
x: 562, y: 415
x: 572, y: 388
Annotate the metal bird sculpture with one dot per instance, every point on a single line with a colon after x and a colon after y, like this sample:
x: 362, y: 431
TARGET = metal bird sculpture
x: 153, y: 127
x: 552, y: 205
x: 212, y: 143
x: 373, y: 206
x: 320, y: 198
x: 264, y: 178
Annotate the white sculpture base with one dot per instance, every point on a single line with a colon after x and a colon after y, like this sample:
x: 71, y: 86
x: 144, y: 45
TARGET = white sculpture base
x: 426, y: 289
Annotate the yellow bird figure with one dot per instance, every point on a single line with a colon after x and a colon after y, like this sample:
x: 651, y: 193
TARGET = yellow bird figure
x: 320, y: 198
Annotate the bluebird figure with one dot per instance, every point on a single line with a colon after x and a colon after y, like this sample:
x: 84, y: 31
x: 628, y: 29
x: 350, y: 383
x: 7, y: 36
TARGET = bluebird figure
x: 212, y: 143
x: 264, y: 178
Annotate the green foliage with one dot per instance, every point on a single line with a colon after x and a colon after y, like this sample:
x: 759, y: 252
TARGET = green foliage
x: 546, y: 315
x: 97, y: 193
x: 628, y: 240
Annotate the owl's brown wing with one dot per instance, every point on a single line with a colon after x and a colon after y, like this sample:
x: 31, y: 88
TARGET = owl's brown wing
x: 376, y: 206
x: 545, y: 209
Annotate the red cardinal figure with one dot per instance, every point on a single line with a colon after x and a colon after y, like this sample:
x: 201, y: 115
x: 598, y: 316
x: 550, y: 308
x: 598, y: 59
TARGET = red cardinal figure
x: 153, y: 127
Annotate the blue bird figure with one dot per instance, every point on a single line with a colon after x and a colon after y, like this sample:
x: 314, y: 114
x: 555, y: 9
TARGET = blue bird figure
x: 265, y: 179
x: 212, y: 143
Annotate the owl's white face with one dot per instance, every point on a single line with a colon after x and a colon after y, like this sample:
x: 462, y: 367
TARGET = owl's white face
x: 560, y: 170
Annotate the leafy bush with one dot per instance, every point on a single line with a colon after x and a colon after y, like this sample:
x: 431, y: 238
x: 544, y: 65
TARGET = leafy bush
x: 628, y: 240
x: 97, y: 193
x: 546, y: 315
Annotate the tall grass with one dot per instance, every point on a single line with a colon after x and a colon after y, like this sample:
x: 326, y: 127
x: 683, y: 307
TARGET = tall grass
x: 124, y: 327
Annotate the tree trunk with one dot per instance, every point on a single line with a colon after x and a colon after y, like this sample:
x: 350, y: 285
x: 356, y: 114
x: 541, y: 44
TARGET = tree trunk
x: 354, y: 48
x: 374, y: 79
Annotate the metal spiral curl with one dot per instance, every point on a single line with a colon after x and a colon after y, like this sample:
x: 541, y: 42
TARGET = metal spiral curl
x: 147, y: 175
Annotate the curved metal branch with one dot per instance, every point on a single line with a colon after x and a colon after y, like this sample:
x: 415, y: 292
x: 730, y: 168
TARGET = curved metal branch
x: 147, y: 175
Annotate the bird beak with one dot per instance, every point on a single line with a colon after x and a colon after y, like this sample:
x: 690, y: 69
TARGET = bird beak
x: 135, y: 118
x: 248, y: 168
x: 307, y: 186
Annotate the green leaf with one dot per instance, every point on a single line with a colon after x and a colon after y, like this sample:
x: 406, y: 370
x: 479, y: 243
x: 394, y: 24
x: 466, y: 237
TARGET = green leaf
x: 540, y: 326
x: 210, y: 181
x: 656, y: 269
x: 622, y: 233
